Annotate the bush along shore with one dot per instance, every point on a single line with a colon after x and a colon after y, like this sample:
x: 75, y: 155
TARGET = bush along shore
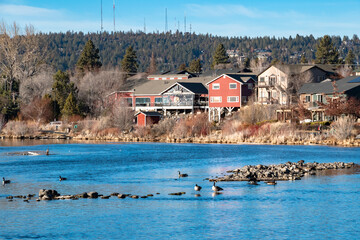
x: 283, y: 172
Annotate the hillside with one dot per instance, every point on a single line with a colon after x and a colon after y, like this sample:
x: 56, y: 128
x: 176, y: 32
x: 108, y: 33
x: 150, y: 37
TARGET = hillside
x: 62, y: 50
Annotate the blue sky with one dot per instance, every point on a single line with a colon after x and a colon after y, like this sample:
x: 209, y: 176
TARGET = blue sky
x: 225, y: 18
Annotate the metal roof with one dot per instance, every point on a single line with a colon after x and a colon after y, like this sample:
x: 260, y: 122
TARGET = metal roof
x: 151, y: 114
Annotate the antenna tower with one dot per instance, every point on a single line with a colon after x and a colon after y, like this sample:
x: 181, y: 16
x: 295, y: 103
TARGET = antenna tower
x: 184, y: 23
x: 144, y: 25
x: 166, y: 22
x: 114, y: 14
x: 101, y: 17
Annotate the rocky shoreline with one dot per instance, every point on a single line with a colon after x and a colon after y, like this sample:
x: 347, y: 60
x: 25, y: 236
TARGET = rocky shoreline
x: 352, y: 142
x: 282, y: 172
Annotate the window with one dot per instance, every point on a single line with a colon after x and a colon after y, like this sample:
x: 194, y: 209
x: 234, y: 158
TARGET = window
x: 142, y: 102
x: 274, y: 94
x: 282, y: 79
x: 233, y: 99
x: 250, y: 86
x: 215, y: 99
x: 307, y: 98
x: 216, y: 86
x: 272, y: 80
x: 262, y: 79
x: 232, y: 85
x: 319, y: 98
x: 158, y: 101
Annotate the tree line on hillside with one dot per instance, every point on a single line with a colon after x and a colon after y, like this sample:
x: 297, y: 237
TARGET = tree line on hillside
x: 62, y: 50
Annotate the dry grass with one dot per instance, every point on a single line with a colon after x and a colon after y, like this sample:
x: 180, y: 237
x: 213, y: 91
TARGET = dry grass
x: 20, y: 128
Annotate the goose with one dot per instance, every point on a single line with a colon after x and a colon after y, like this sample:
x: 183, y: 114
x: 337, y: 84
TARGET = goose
x: 182, y: 174
x: 271, y: 182
x: 216, y: 188
x: 5, y: 181
x: 253, y: 182
x: 197, y: 188
x: 62, y: 178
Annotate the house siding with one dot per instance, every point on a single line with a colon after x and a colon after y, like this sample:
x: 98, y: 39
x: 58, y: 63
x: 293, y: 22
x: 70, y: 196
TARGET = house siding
x: 224, y: 92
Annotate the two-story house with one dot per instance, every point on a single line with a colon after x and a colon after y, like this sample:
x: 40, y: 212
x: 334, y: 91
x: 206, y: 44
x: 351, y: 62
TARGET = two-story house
x: 229, y: 92
x: 279, y: 84
x: 311, y: 94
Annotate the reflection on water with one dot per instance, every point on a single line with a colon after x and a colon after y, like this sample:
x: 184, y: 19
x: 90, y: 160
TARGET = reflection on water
x: 318, y: 207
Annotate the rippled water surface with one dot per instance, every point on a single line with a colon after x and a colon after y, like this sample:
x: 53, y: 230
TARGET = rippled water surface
x: 317, y: 207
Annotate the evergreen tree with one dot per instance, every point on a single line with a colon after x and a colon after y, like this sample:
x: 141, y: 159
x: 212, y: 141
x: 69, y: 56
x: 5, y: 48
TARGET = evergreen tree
x: 61, y: 89
x: 195, y: 66
x: 303, y: 59
x: 89, y: 58
x: 246, y: 63
x: 350, y: 58
x: 129, y: 63
x: 220, y: 56
x: 182, y: 67
x: 326, y: 53
x: 71, y: 107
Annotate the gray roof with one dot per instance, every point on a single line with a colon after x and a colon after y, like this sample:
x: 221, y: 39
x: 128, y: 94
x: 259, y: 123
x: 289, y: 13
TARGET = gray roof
x: 326, y: 86
x: 300, y: 68
x: 218, y: 72
x: 155, y: 87
x: 152, y: 114
x: 194, y: 87
x: 243, y: 77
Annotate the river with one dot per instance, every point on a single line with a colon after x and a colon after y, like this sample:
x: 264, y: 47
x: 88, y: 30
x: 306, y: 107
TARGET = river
x: 316, y: 207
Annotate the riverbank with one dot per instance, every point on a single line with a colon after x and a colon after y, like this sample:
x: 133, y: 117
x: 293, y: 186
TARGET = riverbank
x: 215, y: 138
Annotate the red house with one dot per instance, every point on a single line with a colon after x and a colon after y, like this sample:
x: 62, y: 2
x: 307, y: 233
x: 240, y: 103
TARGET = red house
x: 229, y: 92
x: 147, y: 118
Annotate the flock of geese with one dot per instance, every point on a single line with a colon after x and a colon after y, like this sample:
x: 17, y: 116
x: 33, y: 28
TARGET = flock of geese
x: 181, y: 175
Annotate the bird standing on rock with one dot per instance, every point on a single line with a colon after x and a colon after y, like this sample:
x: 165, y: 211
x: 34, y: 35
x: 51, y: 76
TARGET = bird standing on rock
x: 216, y: 188
x: 182, y: 174
x: 197, y: 188
x: 5, y: 181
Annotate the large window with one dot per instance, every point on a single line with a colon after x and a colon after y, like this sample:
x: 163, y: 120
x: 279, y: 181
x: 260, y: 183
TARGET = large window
x: 232, y: 85
x: 215, y: 99
x: 216, y: 86
x: 307, y: 98
x: 233, y: 99
x: 129, y: 102
x: 262, y: 79
x: 142, y: 102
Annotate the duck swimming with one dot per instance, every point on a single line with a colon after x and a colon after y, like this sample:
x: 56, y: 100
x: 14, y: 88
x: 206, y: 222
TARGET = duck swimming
x: 182, y: 174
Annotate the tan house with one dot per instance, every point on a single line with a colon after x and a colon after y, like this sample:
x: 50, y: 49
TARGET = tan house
x: 279, y: 84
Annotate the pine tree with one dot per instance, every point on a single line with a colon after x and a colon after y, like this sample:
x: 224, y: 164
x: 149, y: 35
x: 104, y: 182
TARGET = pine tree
x: 89, y: 58
x: 61, y: 89
x: 350, y: 58
x: 195, y: 66
x: 220, y: 56
x: 326, y: 53
x: 303, y: 59
x: 71, y: 107
x: 129, y: 63
x: 182, y: 67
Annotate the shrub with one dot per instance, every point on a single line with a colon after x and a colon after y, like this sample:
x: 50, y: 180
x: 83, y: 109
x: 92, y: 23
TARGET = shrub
x: 19, y: 128
x: 342, y: 127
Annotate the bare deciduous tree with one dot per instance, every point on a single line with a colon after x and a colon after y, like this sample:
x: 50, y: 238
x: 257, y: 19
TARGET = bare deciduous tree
x: 19, y: 54
x: 122, y: 116
x: 94, y: 88
x: 38, y: 110
x: 36, y: 86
